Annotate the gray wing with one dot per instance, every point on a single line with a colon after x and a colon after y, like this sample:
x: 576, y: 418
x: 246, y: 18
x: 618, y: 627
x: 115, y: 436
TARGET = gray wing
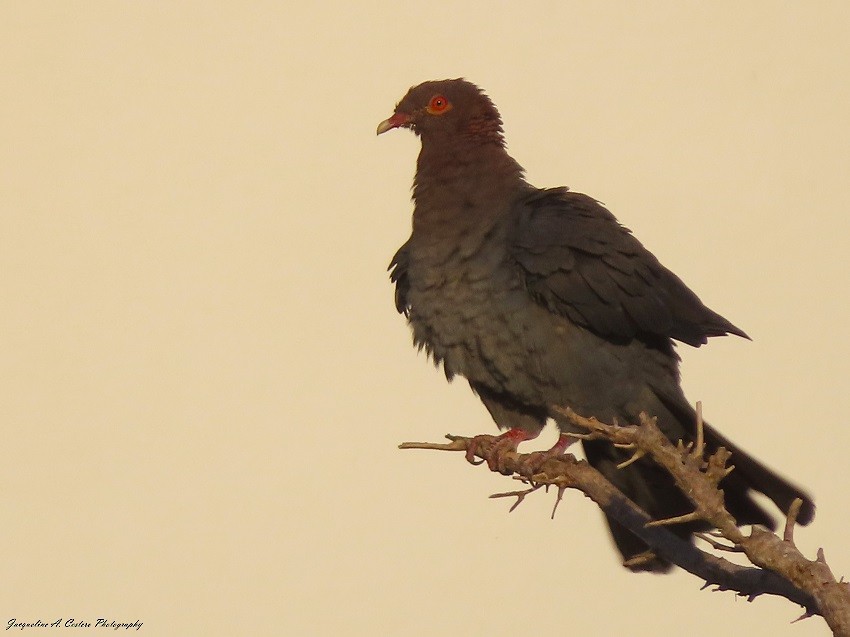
x: 579, y: 262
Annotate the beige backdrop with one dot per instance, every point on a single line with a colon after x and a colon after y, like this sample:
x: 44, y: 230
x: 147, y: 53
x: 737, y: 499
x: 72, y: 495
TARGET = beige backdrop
x: 203, y: 380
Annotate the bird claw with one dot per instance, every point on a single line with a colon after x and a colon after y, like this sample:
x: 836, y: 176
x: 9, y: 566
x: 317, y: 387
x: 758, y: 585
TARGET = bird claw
x: 534, y: 461
x: 475, y: 446
x: 499, y: 446
x: 531, y: 463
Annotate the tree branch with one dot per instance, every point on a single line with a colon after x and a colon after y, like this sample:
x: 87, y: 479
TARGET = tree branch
x: 780, y: 569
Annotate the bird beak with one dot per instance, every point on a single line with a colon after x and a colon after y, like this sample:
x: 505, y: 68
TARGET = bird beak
x: 399, y: 119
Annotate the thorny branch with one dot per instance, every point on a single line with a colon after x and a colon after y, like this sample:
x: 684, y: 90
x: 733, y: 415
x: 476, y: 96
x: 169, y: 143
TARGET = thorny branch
x: 779, y: 567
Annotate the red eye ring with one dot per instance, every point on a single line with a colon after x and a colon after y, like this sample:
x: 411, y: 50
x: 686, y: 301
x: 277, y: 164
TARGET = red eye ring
x: 438, y: 105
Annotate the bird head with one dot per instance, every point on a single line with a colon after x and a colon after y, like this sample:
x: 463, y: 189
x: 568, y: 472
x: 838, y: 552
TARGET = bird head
x: 447, y: 109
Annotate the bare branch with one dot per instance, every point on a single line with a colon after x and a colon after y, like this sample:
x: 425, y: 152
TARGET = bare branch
x: 791, y: 520
x: 679, y: 519
x: 705, y: 537
x: 780, y: 568
x: 699, y: 445
x: 640, y: 453
x: 567, y: 472
x: 456, y: 444
x: 519, y: 495
x: 699, y: 480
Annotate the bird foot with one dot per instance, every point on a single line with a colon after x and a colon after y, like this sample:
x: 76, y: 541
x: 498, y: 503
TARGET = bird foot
x: 534, y: 461
x: 499, y: 446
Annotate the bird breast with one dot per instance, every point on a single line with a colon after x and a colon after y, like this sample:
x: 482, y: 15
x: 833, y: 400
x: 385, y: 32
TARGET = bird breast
x: 468, y: 306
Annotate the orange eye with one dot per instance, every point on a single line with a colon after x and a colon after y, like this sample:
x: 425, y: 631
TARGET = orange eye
x: 438, y: 105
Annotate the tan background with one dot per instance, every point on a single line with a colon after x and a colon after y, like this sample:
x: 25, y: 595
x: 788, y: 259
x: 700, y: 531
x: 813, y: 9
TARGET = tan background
x: 203, y: 380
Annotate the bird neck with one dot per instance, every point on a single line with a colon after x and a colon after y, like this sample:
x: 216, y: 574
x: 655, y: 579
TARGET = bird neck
x: 465, y: 172
x: 462, y: 192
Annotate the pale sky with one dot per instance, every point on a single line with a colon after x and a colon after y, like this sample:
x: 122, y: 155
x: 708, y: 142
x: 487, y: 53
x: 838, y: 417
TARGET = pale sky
x: 204, y: 379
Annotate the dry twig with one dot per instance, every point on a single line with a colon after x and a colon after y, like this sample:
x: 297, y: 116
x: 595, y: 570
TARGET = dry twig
x: 780, y: 569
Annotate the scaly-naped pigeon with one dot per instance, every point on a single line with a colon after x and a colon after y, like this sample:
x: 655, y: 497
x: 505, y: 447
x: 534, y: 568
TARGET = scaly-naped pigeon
x: 539, y: 297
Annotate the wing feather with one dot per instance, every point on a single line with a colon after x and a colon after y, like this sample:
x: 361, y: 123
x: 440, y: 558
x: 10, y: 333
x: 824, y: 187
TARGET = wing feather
x: 578, y: 261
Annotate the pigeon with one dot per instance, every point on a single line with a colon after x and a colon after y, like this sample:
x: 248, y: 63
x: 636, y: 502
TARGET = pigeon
x: 539, y: 298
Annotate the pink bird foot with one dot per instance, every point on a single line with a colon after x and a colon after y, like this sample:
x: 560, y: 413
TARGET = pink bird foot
x: 501, y: 444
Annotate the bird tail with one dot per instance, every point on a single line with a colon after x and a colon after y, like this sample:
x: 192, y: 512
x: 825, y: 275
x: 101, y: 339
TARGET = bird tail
x: 756, y: 476
x: 749, y: 475
x: 655, y: 491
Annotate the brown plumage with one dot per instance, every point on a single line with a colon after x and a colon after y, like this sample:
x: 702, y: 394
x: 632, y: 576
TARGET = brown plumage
x: 539, y: 297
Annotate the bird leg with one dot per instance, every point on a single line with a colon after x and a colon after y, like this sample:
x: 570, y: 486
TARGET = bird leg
x: 533, y: 461
x: 500, y: 445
